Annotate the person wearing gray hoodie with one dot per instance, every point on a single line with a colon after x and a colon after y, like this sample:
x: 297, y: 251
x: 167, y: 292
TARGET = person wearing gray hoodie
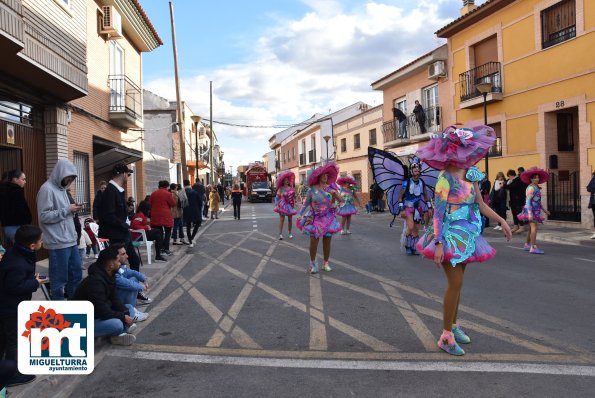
x: 59, y: 235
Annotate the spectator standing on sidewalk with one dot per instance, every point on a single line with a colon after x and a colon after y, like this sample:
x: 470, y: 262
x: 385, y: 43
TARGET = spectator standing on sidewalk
x: 236, y: 198
x: 14, y: 210
x: 113, y: 213
x: 176, y: 213
x: 205, y: 211
x: 97, y: 200
x: 221, y: 193
x: 192, y: 216
x: 591, y: 189
x: 498, y: 198
x: 112, y: 318
x: 161, y: 203
x: 214, y: 200
x: 59, y: 234
x: 517, y: 189
x: 18, y: 281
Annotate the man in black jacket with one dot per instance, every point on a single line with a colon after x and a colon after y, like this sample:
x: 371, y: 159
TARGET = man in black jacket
x: 112, y: 318
x: 517, y: 189
x: 18, y: 281
x: 113, y: 214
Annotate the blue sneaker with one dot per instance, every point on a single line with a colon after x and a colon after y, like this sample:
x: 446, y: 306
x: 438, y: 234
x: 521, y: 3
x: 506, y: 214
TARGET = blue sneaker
x: 408, y: 250
x: 460, y: 336
x: 313, y: 267
x: 449, y: 345
x: 535, y: 250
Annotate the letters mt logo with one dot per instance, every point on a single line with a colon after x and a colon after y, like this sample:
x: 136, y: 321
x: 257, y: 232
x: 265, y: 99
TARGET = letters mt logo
x: 56, y: 337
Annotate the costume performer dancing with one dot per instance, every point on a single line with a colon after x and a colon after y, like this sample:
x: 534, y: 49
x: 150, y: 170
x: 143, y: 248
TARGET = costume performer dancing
x: 347, y: 208
x: 532, y: 210
x: 454, y: 239
x: 317, y: 216
x: 414, y: 203
x: 285, y: 201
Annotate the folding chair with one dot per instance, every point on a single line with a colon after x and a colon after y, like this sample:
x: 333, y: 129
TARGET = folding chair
x: 101, y: 242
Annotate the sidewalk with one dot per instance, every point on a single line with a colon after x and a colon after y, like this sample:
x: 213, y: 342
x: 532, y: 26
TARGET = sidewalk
x: 155, y: 271
x: 550, y: 231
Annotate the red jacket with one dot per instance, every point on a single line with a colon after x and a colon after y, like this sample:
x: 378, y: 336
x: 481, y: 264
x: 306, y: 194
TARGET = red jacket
x: 161, y: 203
x: 139, y: 221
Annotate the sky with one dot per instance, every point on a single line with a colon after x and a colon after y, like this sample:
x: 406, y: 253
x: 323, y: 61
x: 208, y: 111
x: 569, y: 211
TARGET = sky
x: 278, y: 62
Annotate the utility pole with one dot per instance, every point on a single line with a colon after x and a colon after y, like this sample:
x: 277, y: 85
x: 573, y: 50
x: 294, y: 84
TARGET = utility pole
x: 212, y: 132
x: 180, y: 121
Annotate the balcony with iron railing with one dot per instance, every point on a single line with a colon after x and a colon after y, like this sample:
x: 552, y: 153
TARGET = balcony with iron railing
x: 487, y: 73
x: 414, y: 130
x: 126, y: 102
x: 302, y: 159
x: 312, y: 156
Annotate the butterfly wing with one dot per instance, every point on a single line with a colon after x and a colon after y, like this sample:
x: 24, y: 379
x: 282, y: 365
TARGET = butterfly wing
x: 389, y: 173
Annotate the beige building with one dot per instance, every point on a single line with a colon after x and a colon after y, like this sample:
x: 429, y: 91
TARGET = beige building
x: 423, y: 80
x: 352, y: 139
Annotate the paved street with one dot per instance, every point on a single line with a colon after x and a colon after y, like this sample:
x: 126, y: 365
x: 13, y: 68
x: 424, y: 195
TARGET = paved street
x: 238, y: 316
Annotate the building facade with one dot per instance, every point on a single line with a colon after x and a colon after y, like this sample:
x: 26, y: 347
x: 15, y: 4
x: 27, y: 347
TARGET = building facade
x: 352, y: 139
x: 540, y: 98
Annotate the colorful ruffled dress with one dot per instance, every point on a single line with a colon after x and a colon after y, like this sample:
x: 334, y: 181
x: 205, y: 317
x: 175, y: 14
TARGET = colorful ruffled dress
x: 347, y: 208
x: 532, y: 205
x: 457, y: 221
x: 285, y: 201
x: 317, y: 216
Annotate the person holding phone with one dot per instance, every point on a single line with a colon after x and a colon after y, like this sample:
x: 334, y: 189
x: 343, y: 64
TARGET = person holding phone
x: 18, y: 281
x: 60, y: 236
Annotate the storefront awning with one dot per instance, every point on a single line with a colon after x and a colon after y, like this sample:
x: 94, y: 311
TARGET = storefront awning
x: 107, y: 153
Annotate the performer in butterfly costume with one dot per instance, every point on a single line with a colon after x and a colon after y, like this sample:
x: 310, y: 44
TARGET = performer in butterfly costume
x: 414, y: 204
x: 408, y: 194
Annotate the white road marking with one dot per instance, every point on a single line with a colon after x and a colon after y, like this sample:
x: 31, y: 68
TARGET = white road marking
x: 584, y: 259
x: 411, y: 366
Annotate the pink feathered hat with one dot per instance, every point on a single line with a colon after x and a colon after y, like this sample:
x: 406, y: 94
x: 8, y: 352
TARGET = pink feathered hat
x: 527, y: 174
x: 329, y: 168
x: 458, y: 146
x: 346, y: 180
x: 283, y: 176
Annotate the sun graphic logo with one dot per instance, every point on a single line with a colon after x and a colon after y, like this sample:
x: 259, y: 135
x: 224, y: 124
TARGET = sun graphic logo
x: 56, y: 337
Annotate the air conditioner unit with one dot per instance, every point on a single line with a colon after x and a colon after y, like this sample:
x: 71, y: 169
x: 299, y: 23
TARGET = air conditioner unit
x: 111, y: 22
x: 436, y: 70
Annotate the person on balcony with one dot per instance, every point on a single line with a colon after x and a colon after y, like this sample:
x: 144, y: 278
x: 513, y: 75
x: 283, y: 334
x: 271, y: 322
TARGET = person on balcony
x: 420, y: 116
x: 402, y: 122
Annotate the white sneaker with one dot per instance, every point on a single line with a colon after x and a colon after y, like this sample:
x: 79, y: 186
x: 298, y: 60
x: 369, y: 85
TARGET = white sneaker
x: 141, y: 316
x: 593, y: 237
x: 281, y: 237
x: 131, y: 328
x: 498, y: 228
x: 123, y: 339
x: 191, y: 244
x: 290, y: 236
x: 97, y: 255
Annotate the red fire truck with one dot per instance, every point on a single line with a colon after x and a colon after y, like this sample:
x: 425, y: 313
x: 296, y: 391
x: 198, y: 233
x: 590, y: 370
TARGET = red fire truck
x: 257, y: 184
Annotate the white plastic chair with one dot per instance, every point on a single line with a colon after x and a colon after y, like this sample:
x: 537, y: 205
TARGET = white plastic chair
x: 102, y: 243
x: 148, y: 243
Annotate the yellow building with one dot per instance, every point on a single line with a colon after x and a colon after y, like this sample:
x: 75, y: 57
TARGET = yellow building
x: 536, y: 58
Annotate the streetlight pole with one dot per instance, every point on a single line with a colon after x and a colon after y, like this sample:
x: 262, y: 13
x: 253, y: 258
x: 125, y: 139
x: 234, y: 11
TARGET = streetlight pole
x: 326, y: 138
x: 484, y: 89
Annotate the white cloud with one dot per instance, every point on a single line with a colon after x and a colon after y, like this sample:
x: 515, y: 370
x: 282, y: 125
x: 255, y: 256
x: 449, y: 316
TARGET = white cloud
x: 324, y: 61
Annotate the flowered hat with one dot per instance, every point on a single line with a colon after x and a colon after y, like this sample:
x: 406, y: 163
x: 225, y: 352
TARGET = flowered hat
x: 287, y: 174
x: 346, y: 180
x: 329, y: 168
x: 527, y: 174
x: 458, y: 146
